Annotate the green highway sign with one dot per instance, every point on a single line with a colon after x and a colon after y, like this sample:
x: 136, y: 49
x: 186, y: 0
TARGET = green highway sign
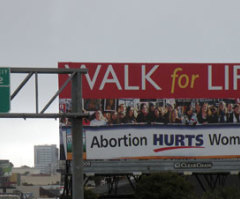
x: 4, y: 90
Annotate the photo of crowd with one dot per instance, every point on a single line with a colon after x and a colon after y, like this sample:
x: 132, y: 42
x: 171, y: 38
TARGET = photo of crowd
x: 169, y: 111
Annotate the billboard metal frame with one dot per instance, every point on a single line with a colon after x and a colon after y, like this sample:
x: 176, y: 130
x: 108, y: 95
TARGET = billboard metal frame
x: 201, y: 167
x: 187, y: 167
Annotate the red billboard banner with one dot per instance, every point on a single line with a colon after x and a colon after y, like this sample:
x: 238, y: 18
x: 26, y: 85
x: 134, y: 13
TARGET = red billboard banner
x: 157, y: 80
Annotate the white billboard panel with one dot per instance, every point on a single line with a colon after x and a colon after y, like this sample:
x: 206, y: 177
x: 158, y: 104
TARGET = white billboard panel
x: 161, y: 142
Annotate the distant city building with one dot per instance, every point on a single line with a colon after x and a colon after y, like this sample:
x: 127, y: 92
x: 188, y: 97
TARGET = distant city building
x: 46, y: 158
x: 26, y: 170
x: 42, y: 179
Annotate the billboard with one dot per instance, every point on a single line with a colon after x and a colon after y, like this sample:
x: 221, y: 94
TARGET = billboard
x: 156, y: 111
x: 162, y: 142
x: 157, y: 80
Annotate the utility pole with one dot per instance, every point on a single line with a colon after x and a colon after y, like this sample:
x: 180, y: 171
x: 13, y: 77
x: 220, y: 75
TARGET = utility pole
x: 77, y: 138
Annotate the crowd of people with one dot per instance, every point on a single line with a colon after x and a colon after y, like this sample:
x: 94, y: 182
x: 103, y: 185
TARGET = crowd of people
x: 150, y: 113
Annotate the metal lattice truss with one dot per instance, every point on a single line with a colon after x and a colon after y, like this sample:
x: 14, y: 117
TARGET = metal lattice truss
x: 36, y: 72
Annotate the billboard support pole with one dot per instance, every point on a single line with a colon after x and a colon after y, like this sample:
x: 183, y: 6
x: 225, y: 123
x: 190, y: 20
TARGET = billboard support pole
x: 77, y: 138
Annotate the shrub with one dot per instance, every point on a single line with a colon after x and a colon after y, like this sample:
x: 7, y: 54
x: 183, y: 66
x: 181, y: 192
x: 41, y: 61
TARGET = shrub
x: 223, y: 193
x: 88, y: 194
x: 163, y: 186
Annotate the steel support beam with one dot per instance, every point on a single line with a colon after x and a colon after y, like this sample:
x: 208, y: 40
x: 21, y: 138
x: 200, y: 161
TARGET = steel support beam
x: 43, y: 116
x: 21, y: 85
x: 48, y: 70
x: 36, y: 91
x: 58, y: 92
x: 77, y: 138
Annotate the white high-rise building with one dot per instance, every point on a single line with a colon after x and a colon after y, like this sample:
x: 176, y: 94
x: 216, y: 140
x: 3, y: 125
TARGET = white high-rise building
x: 46, y: 158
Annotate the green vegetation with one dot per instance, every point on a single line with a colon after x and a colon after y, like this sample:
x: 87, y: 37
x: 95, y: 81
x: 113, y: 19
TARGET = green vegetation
x: 223, y: 193
x: 174, y: 186
x: 164, y: 186
x: 88, y: 194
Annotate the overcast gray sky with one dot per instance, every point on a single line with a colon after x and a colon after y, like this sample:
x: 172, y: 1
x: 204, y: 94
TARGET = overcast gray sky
x: 43, y: 33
